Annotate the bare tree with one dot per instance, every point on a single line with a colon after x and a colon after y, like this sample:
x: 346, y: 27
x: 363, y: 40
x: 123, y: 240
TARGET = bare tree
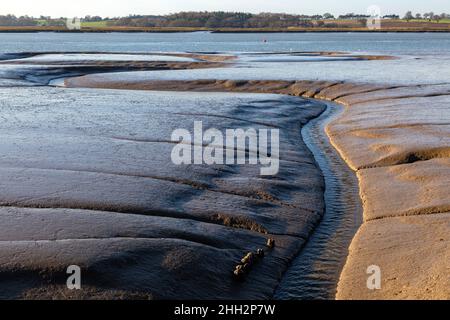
x: 408, y: 16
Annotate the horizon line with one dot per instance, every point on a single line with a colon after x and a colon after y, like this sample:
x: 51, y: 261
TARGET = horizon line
x: 210, y: 11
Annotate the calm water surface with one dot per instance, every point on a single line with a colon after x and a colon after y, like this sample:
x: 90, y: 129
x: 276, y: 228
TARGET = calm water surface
x: 387, y: 43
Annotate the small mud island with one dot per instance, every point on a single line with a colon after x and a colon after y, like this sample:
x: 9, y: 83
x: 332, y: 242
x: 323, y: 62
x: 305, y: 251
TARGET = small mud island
x: 88, y: 181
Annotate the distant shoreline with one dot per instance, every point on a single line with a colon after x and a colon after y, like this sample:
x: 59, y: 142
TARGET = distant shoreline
x: 221, y: 30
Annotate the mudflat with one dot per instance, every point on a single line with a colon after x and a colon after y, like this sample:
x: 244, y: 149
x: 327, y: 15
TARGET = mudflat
x: 92, y: 184
x: 396, y: 139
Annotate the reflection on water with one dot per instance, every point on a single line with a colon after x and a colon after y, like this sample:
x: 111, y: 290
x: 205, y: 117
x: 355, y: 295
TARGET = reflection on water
x: 283, y: 58
x: 315, y: 272
x: 405, y: 70
x: 68, y: 57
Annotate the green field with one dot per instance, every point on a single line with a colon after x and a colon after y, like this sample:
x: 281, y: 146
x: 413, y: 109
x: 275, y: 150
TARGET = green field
x: 95, y: 24
x: 42, y: 22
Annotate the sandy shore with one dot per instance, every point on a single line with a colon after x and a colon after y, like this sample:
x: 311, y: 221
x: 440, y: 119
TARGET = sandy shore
x: 397, y: 141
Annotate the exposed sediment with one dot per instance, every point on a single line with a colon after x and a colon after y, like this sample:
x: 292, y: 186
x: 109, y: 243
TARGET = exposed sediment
x: 41, y: 68
x: 87, y: 180
x: 397, y: 141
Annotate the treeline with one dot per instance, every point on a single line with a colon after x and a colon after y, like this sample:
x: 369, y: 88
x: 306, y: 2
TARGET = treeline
x: 11, y: 20
x: 248, y: 20
x: 429, y: 16
x: 27, y: 21
x: 218, y: 20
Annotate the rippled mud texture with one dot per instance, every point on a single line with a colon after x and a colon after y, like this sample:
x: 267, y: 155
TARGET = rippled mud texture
x: 87, y: 179
x: 396, y: 139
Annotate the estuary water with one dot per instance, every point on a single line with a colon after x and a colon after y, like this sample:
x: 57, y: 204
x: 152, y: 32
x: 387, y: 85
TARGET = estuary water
x: 423, y: 57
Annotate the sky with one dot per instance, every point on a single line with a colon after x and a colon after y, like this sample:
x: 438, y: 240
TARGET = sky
x: 111, y: 8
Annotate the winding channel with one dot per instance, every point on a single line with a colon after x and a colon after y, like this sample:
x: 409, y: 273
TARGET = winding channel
x: 314, y: 274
